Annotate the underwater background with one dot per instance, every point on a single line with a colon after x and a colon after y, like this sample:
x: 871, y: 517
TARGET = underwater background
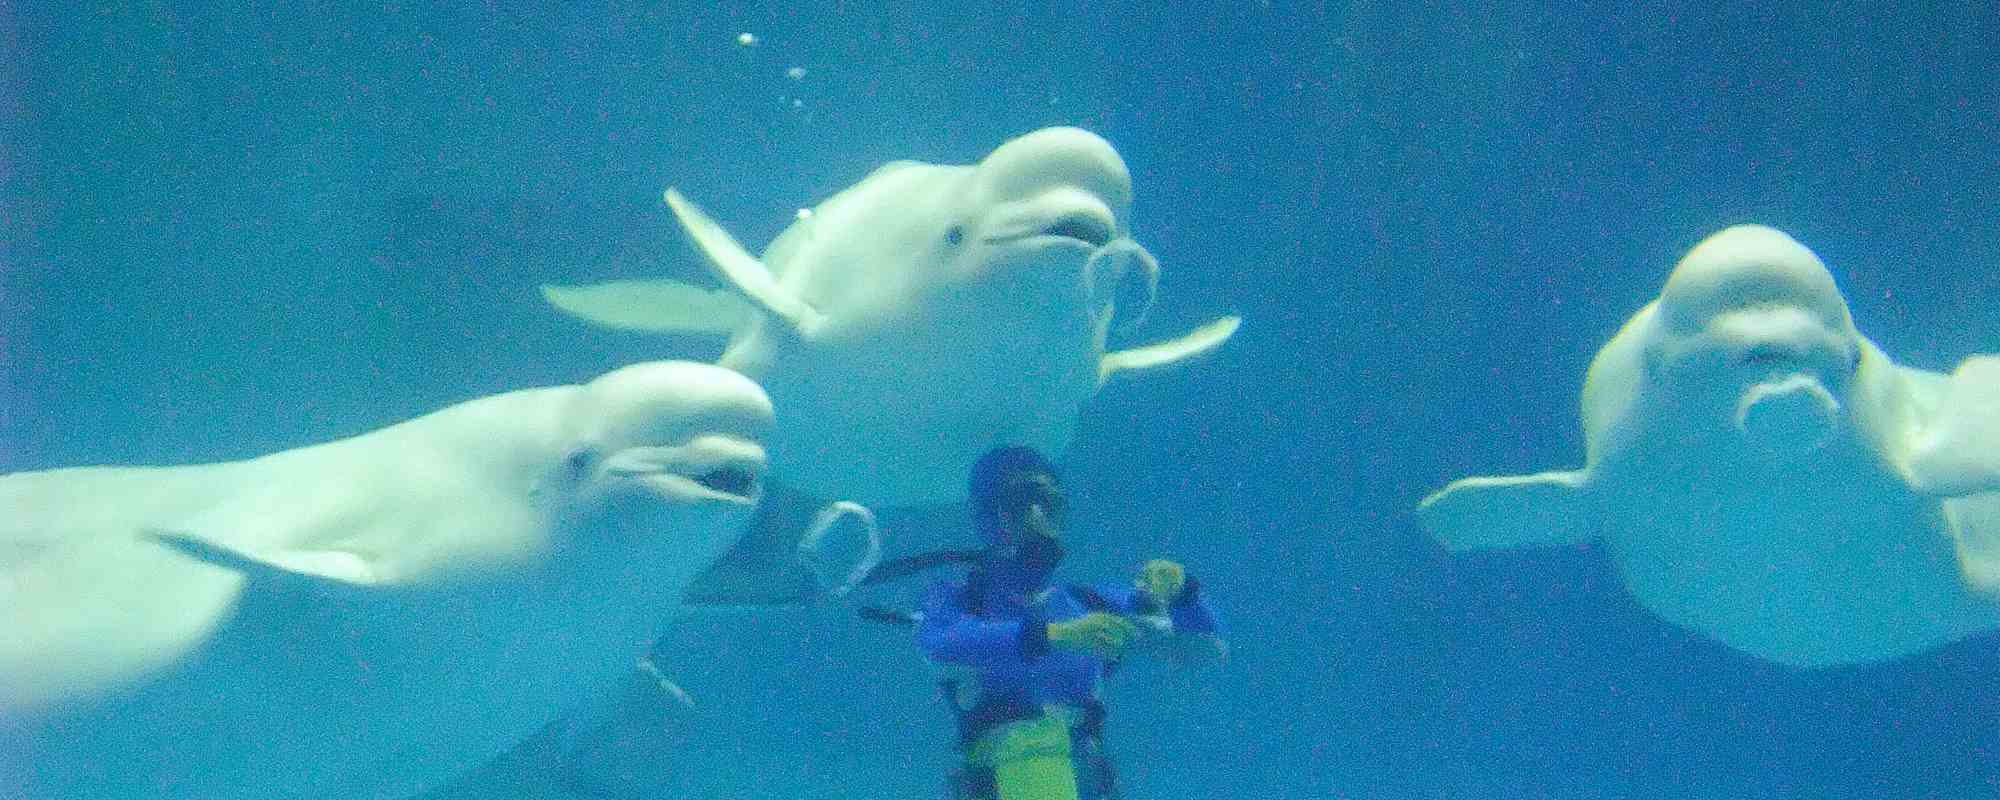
x: 228, y: 230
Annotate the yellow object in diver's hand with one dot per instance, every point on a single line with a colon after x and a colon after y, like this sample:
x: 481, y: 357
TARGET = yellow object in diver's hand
x: 1162, y: 580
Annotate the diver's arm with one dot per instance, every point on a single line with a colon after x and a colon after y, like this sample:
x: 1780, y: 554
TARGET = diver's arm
x: 950, y: 635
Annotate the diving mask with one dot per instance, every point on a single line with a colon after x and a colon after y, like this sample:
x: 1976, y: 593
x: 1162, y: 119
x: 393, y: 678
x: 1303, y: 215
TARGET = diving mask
x: 1016, y: 496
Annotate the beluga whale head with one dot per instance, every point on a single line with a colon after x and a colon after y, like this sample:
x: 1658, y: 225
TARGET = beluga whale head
x: 1754, y: 331
x: 1048, y: 218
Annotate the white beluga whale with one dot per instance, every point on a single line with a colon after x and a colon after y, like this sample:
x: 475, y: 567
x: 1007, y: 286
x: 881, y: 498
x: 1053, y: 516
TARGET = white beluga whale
x: 913, y: 320
x: 370, y: 616
x: 1761, y: 473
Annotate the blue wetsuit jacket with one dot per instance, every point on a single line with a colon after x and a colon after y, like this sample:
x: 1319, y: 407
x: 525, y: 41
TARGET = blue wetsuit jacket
x: 991, y: 630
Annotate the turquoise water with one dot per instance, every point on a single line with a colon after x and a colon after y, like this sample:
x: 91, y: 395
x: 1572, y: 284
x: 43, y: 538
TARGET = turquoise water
x: 230, y: 232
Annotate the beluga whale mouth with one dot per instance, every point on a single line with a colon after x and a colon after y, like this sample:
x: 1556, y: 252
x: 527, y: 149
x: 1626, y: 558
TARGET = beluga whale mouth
x: 713, y: 467
x: 1788, y: 405
x: 726, y: 477
x: 1087, y: 228
x: 1085, y: 222
x: 1791, y: 415
x: 734, y: 480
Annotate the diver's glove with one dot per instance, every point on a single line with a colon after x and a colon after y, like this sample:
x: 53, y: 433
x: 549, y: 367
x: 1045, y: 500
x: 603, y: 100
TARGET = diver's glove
x: 1097, y: 633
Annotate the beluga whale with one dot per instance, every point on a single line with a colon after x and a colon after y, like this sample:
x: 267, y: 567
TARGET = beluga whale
x: 917, y: 318
x: 366, y: 617
x: 1761, y: 473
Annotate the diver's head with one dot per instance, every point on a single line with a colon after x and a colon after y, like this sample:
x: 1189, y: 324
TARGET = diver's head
x: 1015, y: 493
x: 1018, y: 508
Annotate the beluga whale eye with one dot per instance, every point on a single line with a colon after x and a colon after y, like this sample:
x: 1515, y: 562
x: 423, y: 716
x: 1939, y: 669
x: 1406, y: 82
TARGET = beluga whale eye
x: 954, y: 235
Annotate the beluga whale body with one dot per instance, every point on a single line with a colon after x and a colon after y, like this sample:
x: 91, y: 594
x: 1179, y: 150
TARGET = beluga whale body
x: 365, y: 617
x: 1763, y: 474
x: 913, y: 320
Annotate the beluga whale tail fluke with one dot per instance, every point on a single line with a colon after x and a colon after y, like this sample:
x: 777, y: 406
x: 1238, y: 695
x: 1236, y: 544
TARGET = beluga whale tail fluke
x: 1762, y: 473
x: 917, y: 318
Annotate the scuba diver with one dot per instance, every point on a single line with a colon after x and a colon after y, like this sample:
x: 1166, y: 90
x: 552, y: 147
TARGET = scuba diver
x: 1037, y: 652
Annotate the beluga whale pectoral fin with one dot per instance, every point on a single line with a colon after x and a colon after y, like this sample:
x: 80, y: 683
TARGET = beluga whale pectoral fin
x: 303, y: 567
x: 1959, y: 452
x: 741, y: 270
x: 1169, y: 352
x: 1544, y: 509
x: 659, y: 306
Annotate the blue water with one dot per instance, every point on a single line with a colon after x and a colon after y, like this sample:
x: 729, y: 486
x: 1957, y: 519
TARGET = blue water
x: 226, y: 233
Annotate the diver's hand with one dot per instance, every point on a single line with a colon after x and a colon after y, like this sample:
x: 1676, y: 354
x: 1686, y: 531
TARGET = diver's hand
x: 1097, y: 633
x: 1162, y: 580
